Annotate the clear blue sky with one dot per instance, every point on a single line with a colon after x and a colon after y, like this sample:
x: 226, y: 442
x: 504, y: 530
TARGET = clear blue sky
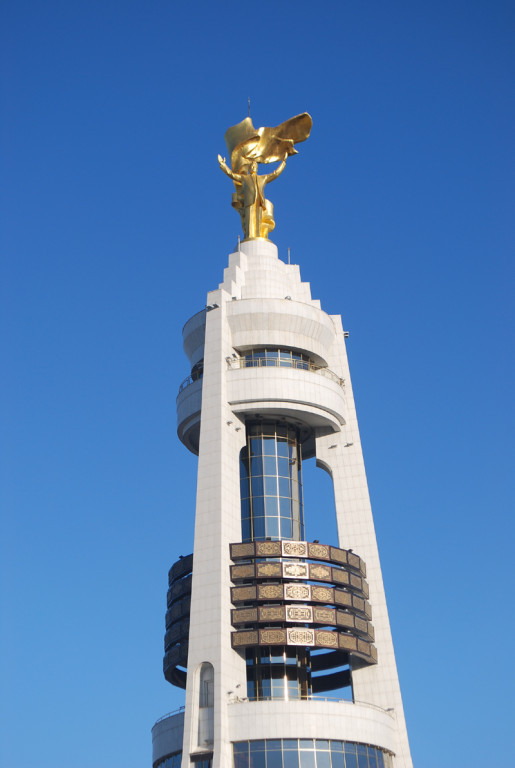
x: 116, y: 221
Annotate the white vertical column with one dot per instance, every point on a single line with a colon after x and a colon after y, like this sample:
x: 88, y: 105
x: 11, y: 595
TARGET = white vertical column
x: 217, y: 523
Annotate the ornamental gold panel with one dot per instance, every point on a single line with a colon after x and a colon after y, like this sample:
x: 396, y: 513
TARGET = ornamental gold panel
x: 323, y: 594
x: 354, y: 560
x: 295, y: 570
x: 358, y: 604
x: 338, y: 555
x: 299, y: 613
x: 272, y: 613
x: 320, y: 572
x: 361, y: 625
x: 242, y: 572
x: 365, y: 589
x: 342, y: 598
x: 238, y: 594
x: 324, y: 615
x: 355, y: 581
x: 364, y: 647
x: 242, y: 550
x: 340, y: 576
x: 245, y: 638
x: 345, y: 619
x: 326, y: 639
x: 319, y: 551
x: 347, y: 642
x: 269, y: 570
x: 301, y: 637
x: 272, y: 637
x: 294, y: 549
x: 270, y: 592
x: 244, y: 615
x: 268, y: 548
x: 297, y: 592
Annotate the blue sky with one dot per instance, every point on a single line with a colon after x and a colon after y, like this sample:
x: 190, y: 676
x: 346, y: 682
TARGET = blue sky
x: 116, y: 221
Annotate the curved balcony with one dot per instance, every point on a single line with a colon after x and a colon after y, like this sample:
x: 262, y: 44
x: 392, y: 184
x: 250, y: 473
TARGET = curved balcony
x: 297, y: 389
x: 178, y: 621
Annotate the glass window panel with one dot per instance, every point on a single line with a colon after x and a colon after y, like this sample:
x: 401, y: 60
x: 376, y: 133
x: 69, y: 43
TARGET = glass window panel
x: 307, y: 759
x: 285, y: 507
x: 272, y: 353
x: 291, y: 759
x: 282, y: 430
x: 286, y: 528
x: 284, y: 486
x: 336, y: 746
x: 306, y: 744
x: 257, y: 759
x: 269, y: 446
x: 245, y: 529
x: 337, y: 760
x: 271, y: 485
x: 255, y: 446
x: 322, y: 744
x: 259, y: 527
x: 251, y: 690
x: 256, y: 466
x: 351, y: 761
x: 290, y: 744
x: 272, y: 506
x: 380, y: 762
x: 241, y: 761
x: 258, y: 505
x: 324, y: 759
x: 257, y: 486
x: 257, y: 746
x: 274, y: 759
x: 372, y: 762
x: 283, y: 467
x: 272, y: 527
x: 244, y: 487
x: 272, y: 744
x: 270, y: 466
x: 282, y: 448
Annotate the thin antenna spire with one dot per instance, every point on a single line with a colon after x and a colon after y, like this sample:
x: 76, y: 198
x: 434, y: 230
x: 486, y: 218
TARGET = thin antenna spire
x: 249, y: 104
x: 288, y: 254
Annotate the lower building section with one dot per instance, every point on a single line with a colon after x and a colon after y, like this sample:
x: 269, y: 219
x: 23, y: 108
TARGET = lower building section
x: 308, y: 753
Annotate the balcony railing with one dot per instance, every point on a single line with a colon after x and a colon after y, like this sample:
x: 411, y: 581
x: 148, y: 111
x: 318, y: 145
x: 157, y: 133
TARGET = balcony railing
x: 278, y: 362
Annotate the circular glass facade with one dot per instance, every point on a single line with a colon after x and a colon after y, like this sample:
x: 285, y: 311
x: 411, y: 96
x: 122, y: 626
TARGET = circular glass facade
x: 271, y: 483
x: 172, y: 761
x: 276, y: 357
x: 308, y: 753
x: 277, y: 672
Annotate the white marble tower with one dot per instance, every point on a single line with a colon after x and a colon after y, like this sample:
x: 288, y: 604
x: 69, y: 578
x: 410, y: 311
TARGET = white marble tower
x: 283, y: 645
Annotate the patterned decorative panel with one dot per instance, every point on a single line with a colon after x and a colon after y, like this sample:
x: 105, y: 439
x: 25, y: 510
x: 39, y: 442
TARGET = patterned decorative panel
x: 245, y: 638
x: 272, y: 613
x: 294, y: 549
x: 268, y: 548
x: 326, y: 638
x: 324, y: 615
x: 242, y: 550
x: 242, y: 572
x: 244, y: 615
x: 338, y: 555
x: 269, y: 570
x: 320, y: 572
x: 299, y: 613
x: 301, y: 637
x: 342, y: 598
x: 361, y: 625
x: 295, y: 570
x: 297, y: 592
x: 347, y: 642
x: 354, y: 560
x: 319, y: 551
x: 243, y: 593
x: 355, y: 581
x: 358, y: 604
x: 340, y: 576
x: 270, y: 592
x: 272, y: 637
x: 323, y: 594
x: 345, y: 619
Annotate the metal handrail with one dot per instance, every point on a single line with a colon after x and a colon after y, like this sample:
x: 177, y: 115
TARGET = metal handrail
x: 187, y: 381
x: 170, y: 714
x: 311, y: 697
x: 278, y: 362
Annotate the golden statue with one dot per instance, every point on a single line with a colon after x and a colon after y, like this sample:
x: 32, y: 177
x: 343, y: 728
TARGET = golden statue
x: 248, y: 147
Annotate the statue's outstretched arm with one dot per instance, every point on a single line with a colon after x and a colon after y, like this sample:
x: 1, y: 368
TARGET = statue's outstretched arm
x: 278, y: 170
x: 237, y: 177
